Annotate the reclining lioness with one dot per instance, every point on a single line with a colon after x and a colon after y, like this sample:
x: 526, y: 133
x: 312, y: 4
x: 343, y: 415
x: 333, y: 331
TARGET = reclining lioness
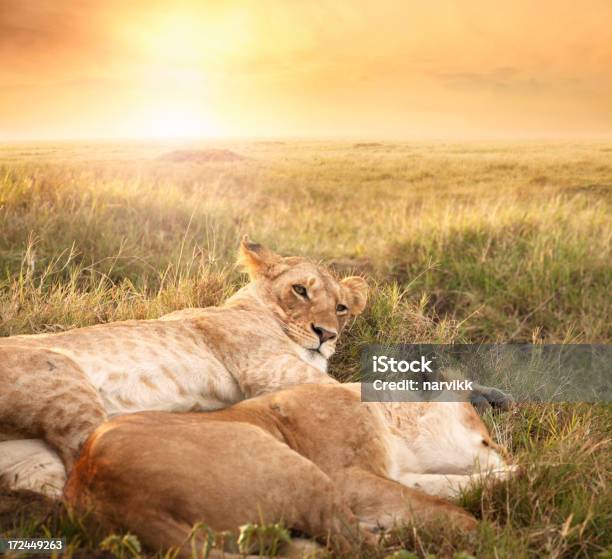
x: 314, y: 457
x: 276, y: 332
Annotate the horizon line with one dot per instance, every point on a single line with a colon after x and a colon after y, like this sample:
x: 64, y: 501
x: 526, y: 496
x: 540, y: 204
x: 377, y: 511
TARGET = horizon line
x: 321, y: 137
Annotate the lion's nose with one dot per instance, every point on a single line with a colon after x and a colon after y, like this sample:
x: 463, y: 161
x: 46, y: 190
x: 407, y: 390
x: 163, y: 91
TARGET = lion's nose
x: 323, y: 334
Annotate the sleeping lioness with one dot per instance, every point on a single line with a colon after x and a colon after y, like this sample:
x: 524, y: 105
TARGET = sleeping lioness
x: 313, y: 457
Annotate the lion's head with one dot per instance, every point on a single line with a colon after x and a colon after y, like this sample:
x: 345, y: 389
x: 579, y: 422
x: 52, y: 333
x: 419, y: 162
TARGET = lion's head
x: 311, y: 305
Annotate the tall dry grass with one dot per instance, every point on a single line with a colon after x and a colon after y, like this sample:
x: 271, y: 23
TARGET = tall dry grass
x: 460, y: 243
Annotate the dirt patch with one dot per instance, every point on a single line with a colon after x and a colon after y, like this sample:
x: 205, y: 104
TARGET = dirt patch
x: 18, y: 504
x: 200, y: 156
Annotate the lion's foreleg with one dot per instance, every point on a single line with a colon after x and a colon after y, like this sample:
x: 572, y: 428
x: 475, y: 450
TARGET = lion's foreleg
x: 449, y: 486
x: 32, y: 465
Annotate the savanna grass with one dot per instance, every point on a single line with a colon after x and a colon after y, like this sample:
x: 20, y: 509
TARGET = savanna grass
x: 461, y: 243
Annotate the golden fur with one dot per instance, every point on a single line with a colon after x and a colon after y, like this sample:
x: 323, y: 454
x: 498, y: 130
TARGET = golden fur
x: 276, y: 332
x: 313, y: 456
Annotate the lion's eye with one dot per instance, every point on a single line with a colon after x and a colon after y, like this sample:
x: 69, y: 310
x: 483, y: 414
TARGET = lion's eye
x: 300, y: 290
x: 341, y: 308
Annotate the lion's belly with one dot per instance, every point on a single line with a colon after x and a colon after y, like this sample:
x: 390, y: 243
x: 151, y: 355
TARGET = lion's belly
x: 171, y: 384
x: 193, y: 384
x: 148, y: 366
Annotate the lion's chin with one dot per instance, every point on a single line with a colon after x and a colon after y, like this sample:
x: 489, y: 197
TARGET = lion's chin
x: 315, y: 357
x: 325, y: 351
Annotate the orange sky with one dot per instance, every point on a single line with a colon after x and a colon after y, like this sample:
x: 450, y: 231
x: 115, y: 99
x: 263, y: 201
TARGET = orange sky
x: 305, y: 68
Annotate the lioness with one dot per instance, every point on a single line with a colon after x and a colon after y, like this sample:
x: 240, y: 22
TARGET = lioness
x: 277, y: 331
x: 313, y: 456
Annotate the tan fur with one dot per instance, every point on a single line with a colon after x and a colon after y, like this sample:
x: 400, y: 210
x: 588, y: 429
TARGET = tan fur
x: 60, y: 387
x: 313, y: 456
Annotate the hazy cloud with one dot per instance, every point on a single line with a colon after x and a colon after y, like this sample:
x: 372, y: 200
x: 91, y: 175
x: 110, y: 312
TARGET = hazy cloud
x: 384, y: 67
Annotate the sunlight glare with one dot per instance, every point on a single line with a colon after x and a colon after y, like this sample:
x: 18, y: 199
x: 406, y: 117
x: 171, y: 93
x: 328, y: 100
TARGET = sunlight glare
x: 170, y: 120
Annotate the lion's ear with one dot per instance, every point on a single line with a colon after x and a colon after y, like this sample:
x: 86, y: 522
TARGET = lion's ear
x: 256, y: 259
x: 357, y: 291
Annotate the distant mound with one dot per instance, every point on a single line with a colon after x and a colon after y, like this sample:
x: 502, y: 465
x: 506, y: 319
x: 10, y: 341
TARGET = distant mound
x: 200, y: 155
x: 367, y: 145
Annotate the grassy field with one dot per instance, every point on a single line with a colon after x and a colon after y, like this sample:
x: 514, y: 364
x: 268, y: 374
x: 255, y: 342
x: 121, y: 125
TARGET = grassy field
x: 460, y: 242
